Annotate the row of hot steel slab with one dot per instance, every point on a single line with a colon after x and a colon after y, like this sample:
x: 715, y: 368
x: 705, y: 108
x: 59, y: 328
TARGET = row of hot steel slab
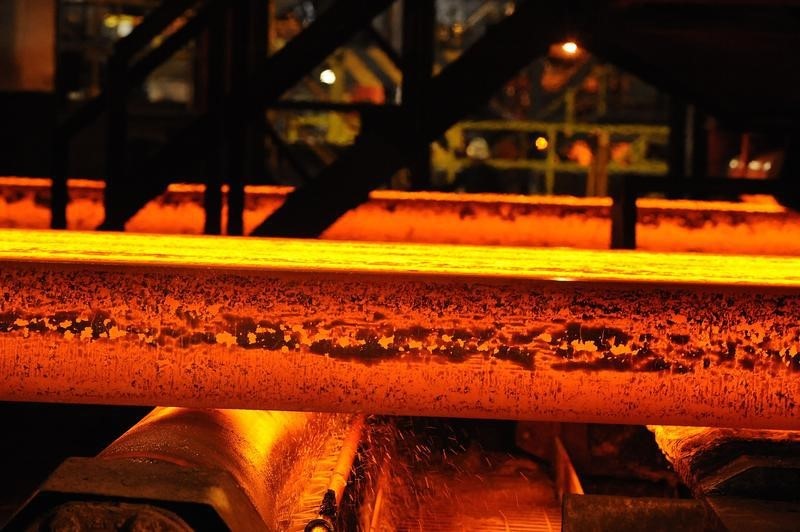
x: 490, y: 219
x: 566, y: 335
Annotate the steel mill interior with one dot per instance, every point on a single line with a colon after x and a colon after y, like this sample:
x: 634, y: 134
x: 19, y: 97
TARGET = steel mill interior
x: 400, y: 265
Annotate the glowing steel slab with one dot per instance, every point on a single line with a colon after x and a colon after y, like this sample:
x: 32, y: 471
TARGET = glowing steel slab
x: 596, y: 336
x: 432, y: 217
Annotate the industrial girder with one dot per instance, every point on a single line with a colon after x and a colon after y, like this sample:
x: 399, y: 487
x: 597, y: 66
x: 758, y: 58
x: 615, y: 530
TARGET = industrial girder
x: 390, y: 139
x: 268, y: 82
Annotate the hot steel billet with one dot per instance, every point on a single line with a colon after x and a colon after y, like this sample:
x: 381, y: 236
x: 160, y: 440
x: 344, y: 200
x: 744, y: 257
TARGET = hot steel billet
x: 568, y: 335
x: 445, y: 218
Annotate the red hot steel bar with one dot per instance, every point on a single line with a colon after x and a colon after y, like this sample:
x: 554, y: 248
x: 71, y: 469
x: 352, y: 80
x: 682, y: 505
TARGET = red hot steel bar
x: 568, y: 335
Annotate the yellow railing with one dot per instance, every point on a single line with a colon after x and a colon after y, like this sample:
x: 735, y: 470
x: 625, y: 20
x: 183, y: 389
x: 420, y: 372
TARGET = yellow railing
x: 449, y: 158
x: 453, y: 159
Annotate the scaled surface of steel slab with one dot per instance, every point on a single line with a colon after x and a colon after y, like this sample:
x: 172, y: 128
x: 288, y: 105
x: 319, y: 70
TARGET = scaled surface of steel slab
x: 549, y: 334
x: 445, y: 218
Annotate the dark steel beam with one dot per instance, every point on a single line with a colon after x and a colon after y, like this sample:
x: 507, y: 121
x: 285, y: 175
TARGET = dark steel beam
x: 285, y: 151
x: 332, y: 29
x: 173, y: 42
x: 419, y: 21
x: 116, y: 159
x: 118, y: 201
x: 756, y: 16
x: 385, y: 46
x: 59, y: 193
x: 153, y: 24
x: 153, y: 175
x: 142, y: 68
x: 246, y: 157
x: 385, y: 148
x: 616, y: 33
x: 277, y: 74
x: 215, y: 81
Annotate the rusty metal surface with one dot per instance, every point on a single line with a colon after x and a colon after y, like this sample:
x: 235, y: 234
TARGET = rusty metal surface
x: 599, y: 513
x: 734, y: 462
x: 249, y: 468
x: 271, y: 455
x: 109, y: 517
x: 735, y: 514
x: 202, y: 498
x: 472, y: 490
x: 488, y: 219
x: 424, y: 330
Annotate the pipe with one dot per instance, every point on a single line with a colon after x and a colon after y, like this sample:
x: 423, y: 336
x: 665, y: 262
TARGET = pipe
x: 566, y: 335
x: 332, y: 499
x: 485, y: 219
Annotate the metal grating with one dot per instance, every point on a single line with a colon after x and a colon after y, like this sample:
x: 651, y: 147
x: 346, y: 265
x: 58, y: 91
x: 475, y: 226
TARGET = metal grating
x: 511, y: 495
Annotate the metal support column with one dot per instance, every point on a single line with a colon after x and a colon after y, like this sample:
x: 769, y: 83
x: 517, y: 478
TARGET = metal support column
x: 245, y: 137
x: 116, y: 140
x: 676, y: 156
x: 59, y: 196
x: 623, y: 214
x: 697, y: 132
x: 419, y: 19
x: 237, y: 128
x: 499, y: 54
x: 215, y: 140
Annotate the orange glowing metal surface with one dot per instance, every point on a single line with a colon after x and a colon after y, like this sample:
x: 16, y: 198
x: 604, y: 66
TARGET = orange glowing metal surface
x: 593, y: 336
x: 435, y: 217
x: 396, y: 259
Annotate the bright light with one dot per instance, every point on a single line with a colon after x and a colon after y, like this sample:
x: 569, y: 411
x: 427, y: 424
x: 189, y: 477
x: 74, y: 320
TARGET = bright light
x: 478, y: 148
x: 754, y: 165
x: 327, y: 76
x: 125, y: 27
x: 767, y: 166
x: 570, y: 47
x: 733, y: 164
x: 541, y: 143
x: 111, y: 21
